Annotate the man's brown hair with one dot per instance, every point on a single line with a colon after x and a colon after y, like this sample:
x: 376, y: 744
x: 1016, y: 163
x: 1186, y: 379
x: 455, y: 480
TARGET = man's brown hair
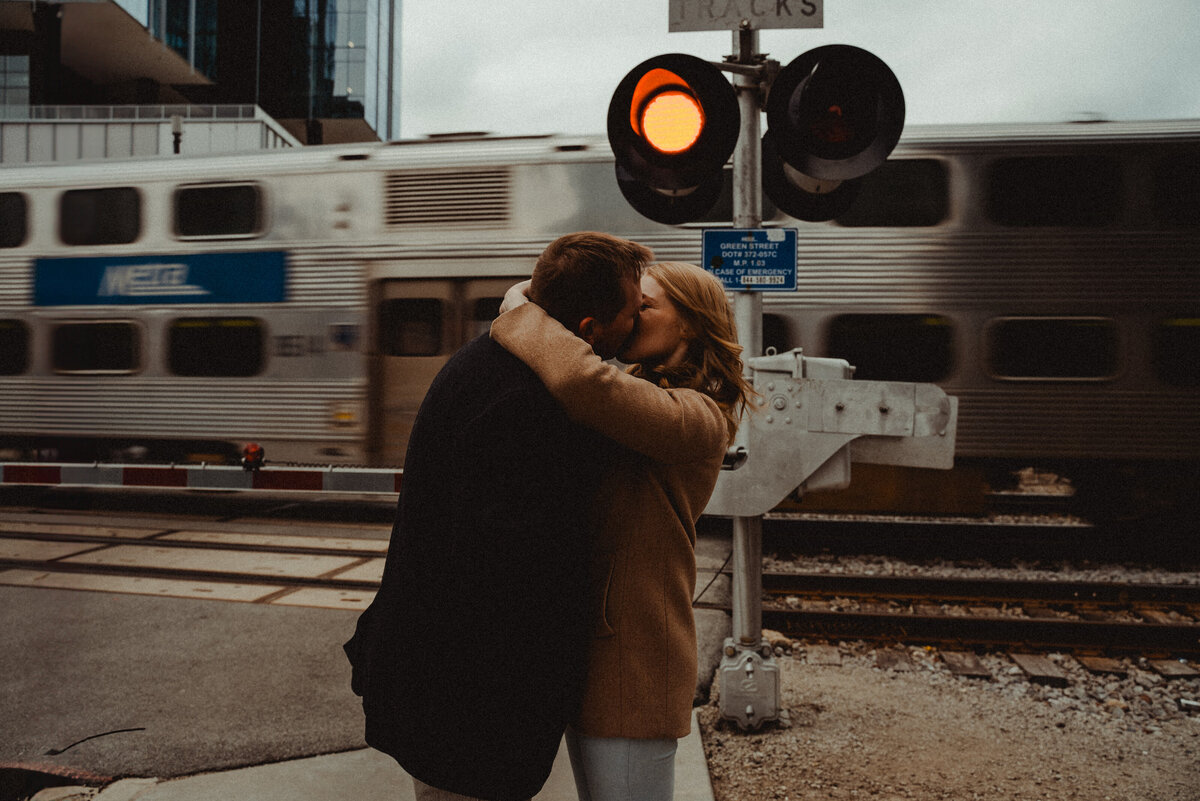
x: 584, y: 275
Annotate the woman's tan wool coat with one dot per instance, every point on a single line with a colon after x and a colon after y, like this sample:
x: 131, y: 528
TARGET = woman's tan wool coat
x: 642, y: 664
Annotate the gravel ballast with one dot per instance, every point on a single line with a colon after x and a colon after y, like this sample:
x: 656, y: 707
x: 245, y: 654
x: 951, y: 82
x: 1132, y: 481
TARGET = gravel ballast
x: 859, y: 731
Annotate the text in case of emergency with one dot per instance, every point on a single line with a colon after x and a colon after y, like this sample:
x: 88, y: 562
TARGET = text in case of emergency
x: 722, y: 15
x: 751, y: 259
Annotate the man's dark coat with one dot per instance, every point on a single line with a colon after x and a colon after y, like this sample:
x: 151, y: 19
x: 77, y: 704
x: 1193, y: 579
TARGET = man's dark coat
x: 471, y: 658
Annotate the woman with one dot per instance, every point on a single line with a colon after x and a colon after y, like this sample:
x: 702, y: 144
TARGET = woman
x: 676, y: 412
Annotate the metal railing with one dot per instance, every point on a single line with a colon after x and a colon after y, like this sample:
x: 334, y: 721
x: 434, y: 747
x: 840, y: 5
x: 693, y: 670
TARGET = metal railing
x: 126, y: 113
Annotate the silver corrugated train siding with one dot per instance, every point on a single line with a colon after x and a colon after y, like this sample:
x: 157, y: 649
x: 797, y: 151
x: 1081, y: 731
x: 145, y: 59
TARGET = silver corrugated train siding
x: 454, y: 199
x: 177, y: 408
x: 1085, y: 423
x: 16, y: 283
x: 993, y: 270
x: 326, y: 277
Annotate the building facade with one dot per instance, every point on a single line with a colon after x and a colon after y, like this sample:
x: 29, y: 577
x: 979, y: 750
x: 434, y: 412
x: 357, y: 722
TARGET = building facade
x: 326, y: 70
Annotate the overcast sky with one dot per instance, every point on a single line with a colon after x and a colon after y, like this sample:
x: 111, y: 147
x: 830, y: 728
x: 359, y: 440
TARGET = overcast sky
x: 550, y: 66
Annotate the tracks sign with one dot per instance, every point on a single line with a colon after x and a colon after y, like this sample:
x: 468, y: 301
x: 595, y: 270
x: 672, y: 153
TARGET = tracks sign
x: 724, y: 15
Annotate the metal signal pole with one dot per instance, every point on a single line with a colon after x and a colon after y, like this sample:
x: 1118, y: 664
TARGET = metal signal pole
x: 747, y: 213
x: 749, y: 685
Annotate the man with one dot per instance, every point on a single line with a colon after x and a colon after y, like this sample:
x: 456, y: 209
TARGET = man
x: 471, y: 658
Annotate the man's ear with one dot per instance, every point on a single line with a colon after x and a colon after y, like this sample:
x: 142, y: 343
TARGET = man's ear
x: 587, y: 330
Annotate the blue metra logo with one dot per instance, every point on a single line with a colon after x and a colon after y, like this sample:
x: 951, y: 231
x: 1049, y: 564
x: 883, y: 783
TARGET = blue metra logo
x: 148, y: 280
x: 254, y: 277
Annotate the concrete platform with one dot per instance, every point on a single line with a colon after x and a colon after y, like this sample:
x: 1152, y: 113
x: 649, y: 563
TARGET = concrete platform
x: 366, y: 775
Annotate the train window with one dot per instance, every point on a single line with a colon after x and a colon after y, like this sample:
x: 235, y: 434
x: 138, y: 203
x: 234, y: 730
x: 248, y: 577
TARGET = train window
x: 1176, y: 351
x: 14, y: 347
x: 13, y: 222
x: 901, y: 193
x: 1052, y: 348
x: 216, y: 346
x: 483, y: 311
x: 1068, y: 191
x: 775, y: 333
x: 410, y: 327
x: 99, y: 216
x: 893, y: 347
x: 96, y: 347
x: 1177, y: 191
x: 221, y: 210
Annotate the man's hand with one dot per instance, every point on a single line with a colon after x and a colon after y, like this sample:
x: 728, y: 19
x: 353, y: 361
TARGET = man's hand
x: 515, y: 296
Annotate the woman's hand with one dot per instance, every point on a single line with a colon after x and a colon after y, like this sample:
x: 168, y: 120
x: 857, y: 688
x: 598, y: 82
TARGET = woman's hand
x: 515, y: 296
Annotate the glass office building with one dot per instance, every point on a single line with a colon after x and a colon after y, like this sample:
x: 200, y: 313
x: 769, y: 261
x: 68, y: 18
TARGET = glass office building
x: 14, y: 80
x: 85, y: 53
x: 189, y: 27
x: 327, y: 70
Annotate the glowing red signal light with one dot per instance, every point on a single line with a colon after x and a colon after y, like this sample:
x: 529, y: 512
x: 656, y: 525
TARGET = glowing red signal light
x: 672, y: 121
x: 665, y: 111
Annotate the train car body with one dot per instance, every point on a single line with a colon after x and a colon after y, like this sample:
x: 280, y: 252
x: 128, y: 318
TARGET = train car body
x: 175, y: 309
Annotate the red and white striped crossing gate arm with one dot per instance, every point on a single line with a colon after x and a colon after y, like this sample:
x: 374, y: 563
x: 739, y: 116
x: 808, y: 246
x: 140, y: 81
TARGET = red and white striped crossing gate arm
x: 203, y: 476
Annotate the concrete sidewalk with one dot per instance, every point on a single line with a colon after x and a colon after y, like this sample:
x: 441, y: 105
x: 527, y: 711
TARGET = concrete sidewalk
x: 364, y: 775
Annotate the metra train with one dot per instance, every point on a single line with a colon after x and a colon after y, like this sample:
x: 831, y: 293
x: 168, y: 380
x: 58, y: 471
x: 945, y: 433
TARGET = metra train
x: 175, y: 309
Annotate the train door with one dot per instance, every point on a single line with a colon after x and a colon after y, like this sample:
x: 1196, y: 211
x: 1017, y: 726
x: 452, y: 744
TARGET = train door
x: 417, y: 326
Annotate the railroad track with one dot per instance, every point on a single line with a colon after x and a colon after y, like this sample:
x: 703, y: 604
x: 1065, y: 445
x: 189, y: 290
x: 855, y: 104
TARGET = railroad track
x: 792, y: 534
x: 1084, y: 617
x: 1092, y: 617
x: 997, y: 538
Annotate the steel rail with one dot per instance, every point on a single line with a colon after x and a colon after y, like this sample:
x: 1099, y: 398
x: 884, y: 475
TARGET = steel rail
x: 204, y: 545
x: 987, y: 590
x: 184, y: 574
x: 1173, y: 640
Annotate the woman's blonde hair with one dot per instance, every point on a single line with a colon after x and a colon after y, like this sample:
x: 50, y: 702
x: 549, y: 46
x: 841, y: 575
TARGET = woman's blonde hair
x: 713, y: 364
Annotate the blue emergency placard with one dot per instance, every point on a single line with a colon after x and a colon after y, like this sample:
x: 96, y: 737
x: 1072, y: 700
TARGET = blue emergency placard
x: 752, y: 259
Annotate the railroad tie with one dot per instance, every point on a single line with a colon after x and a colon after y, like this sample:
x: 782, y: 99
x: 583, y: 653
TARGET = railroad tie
x: 1040, y: 670
x: 1173, y: 669
x: 1103, y: 665
x: 965, y: 663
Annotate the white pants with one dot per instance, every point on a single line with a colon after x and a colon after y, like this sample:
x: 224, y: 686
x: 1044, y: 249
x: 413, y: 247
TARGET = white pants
x: 622, y: 769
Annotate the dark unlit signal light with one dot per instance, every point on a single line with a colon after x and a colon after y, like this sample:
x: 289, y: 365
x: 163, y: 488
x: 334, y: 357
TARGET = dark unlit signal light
x: 834, y: 114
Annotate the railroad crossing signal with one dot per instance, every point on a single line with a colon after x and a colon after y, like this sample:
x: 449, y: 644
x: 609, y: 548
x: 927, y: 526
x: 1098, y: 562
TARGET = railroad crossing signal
x: 672, y: 124
x: 833, y: 115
